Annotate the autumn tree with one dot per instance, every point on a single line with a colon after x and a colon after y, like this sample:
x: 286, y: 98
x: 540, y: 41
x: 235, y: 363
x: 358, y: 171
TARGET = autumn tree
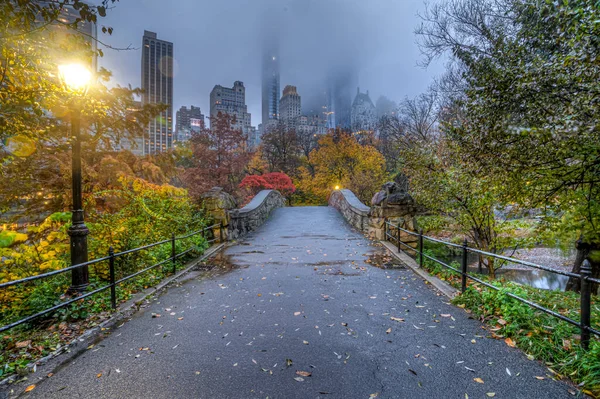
x: 341, y: 160
x: 280, y: 149
x: 281, y: 182
x: 34, y: 123
x: 220, y: 157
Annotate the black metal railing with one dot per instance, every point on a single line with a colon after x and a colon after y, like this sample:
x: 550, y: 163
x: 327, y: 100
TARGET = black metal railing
x: 585, y: 277
x: 113, y: 283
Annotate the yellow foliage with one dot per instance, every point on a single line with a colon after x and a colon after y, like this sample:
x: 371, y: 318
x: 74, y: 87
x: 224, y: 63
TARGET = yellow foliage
x: 345, y: 163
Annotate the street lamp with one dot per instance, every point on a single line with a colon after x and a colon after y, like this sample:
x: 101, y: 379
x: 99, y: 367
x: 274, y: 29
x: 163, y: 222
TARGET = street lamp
x: 76, y: 79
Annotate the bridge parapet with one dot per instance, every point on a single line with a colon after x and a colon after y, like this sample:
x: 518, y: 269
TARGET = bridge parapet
x: 253, y: 215
x: 353, y: 210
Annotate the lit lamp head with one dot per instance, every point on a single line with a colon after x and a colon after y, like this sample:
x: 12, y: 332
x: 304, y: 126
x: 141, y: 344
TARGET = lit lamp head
x: 337, y: 187
x: 75, y: 77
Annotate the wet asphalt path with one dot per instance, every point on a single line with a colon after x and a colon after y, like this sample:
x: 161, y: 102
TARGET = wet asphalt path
x: 301, y: 295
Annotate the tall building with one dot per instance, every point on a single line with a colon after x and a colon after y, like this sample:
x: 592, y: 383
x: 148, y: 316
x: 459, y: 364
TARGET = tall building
x: 157, y: 83
x: 290, y: 107
x: 364, y: 117
x: 270, y: 86
x: 191, y: 119
x: 339, y: 97
x: 231, y: 101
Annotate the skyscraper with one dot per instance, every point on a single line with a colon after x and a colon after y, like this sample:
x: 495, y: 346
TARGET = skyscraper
x: 231, y: 101
x: 157, y: 83
x: 270, y: 86
x: 290, y: 107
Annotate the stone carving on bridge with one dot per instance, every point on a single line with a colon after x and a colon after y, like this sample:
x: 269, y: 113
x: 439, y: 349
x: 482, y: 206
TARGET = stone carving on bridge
x: 394, y: 204
x: 217, y: 204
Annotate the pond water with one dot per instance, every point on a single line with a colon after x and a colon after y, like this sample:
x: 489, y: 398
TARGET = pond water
x: 532, y: 277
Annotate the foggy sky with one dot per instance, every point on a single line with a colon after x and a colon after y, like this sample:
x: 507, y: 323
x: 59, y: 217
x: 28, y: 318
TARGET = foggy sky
x: 220, y: 41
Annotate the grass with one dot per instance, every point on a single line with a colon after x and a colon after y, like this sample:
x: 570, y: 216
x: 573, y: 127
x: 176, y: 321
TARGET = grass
x: 538, y: 334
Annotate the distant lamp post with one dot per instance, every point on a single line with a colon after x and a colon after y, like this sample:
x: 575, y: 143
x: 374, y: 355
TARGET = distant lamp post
x: 76, y: 79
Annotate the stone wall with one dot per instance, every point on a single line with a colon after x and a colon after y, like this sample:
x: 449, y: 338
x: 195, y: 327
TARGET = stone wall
x: 354, y: 211
x: 253, y: 215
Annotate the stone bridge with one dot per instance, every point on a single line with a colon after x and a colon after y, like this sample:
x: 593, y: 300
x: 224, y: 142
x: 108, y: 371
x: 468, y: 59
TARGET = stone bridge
x: 302, y: 306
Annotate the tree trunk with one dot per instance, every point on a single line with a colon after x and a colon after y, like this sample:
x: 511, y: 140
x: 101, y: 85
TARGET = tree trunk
x: 591, y: 252
x: 490, y: 267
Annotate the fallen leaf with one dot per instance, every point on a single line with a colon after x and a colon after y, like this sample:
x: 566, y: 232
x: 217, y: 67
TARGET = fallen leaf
x: 98, y: 375
x: 258, y: 294
x: 30, y: 388
x: 502, y: 322
x: 373, y: 395
x: 510, y: 342
x: 398, y: 319
x: 303, y: 373
x: 299, y: 379
x: 540, y: 378
x: 305, y: 342
x: 491, y: 394
x: 297, y: 313
x: 23, y: 344
x: 446, y: 315
x: 288, y: 362
x: 180, y: 318
x: 479, y: 380
x: 389, y: 330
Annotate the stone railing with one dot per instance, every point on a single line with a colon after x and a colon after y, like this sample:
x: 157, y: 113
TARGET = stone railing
x: 250, y: 217
x: 353, y: 210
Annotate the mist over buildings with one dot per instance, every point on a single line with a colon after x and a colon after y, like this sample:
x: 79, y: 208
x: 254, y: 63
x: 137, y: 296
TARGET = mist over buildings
x: 320, y: 44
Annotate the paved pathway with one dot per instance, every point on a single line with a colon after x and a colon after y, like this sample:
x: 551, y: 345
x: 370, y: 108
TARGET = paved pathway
x: 301, y: 296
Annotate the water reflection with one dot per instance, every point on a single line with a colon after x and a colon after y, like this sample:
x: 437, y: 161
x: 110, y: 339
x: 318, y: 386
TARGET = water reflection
x: 534, y: 278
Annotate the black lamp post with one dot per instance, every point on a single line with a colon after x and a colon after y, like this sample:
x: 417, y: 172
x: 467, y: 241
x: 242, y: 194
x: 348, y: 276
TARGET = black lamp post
x: 77, y: 78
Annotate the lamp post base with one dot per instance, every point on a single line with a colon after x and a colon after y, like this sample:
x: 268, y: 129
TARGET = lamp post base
x: 80, y: 276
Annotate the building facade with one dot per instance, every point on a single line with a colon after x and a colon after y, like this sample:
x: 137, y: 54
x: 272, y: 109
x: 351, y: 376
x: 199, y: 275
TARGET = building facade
x: 188, y: 121
x: 231, y: 101
x: 157, y: 83
x: 290, y: 107
x: 189, y: 118
x: 270, y: 86
x: 364, y: 117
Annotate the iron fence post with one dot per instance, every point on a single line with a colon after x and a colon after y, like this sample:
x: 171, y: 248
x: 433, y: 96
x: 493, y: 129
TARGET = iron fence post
x: 398, y: 235
x: 385, y: 230
x: 111, y: 268
x: 173, y: 253
x: 586, y: 297
x: 420, y: 247
x: 465, y: 252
